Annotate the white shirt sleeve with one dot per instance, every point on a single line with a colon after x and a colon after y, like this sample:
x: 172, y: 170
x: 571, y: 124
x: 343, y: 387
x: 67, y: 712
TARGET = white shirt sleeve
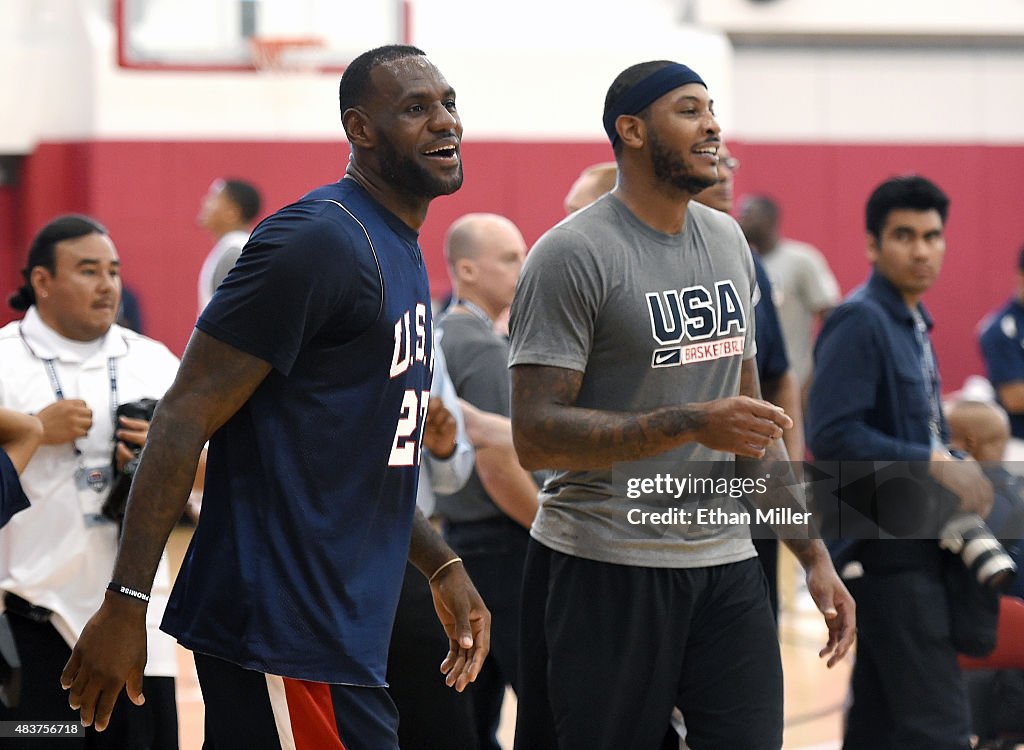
x: 450, y: 474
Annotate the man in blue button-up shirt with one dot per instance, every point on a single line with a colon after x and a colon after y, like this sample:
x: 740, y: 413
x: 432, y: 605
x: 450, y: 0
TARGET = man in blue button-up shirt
x: 875, y: 397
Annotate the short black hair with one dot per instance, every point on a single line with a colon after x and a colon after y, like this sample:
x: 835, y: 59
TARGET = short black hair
x: 245, y: 196
x: 763, y: 203
x: 626, y: 80
x: 355, y: 81
x: 911, y: 192
x: 1020, y: 259
x: 43, y: 252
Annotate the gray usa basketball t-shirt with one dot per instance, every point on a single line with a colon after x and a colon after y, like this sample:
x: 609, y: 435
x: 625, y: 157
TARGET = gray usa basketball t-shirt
x: 650, y: 320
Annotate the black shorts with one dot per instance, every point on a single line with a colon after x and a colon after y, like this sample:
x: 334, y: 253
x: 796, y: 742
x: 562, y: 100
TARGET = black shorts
x: 264, y: 712
x: 608, y: 651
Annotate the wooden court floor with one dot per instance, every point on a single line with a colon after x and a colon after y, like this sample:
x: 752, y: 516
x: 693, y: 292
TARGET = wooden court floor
x: 814, y: 694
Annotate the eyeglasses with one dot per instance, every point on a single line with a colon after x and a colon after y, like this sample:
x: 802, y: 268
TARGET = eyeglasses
x: 732, y: 163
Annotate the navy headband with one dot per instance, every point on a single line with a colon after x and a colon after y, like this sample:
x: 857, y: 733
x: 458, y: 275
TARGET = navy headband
x: 653, y: 87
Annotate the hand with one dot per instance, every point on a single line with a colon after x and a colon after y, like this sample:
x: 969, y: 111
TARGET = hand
x: 130, y: 433
x: 110, y: 654
x: 836, y: 606
x: 964, y: 479
x: 194, y: 506
x: 65, y: 421
x: 486, y: 429
x: 742, y: 425
x: 439, y: 429
x: 467, y: 622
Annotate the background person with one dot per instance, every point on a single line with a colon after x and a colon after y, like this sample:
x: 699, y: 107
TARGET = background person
x: 779, y: 384
x: 875, y: 397
x: 71, y: 365
x: 487, y: 521
x: 593, y: 182
x: 982, y: 430
x: 1001, y: 340
x: 804, y: 287
x: 227, y: 212
x: 432, y: 715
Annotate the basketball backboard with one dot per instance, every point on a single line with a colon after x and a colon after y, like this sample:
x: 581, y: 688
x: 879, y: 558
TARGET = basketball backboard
x: 253, y: 34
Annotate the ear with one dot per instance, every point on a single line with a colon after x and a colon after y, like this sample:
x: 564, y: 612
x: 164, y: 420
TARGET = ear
x: 465, y: 270
x: 358, y: 127
x: 235, y: 211
x: 632, y: 131
x: 872, y: 248
x: 41, y: 280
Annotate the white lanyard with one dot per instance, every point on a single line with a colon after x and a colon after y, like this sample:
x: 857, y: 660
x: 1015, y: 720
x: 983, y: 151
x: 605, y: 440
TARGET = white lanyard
x: 51, y: 370
x: 91, y: 483
x: 931, y: 375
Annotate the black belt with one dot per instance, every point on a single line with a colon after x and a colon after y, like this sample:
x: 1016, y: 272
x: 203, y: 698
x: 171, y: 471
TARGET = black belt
x: 18, y: 606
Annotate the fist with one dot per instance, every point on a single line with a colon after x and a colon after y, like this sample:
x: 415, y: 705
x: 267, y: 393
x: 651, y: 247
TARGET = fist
x: 439, y: 429
x: 65, y: 421
x: 742, y: 425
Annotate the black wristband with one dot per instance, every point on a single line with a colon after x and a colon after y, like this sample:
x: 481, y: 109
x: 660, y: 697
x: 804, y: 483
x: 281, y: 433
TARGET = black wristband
x: 117, y: 588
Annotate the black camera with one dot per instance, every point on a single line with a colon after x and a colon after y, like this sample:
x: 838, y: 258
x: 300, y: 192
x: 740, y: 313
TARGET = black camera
x: 114, y: 506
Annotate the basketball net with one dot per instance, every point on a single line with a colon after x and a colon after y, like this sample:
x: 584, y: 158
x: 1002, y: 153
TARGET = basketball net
x: 274, y: 54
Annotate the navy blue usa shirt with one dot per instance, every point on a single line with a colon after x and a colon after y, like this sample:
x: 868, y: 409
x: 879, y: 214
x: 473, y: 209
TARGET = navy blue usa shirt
x: 1002, y: 346
x: 296, y: 564
x: 12, y: 496
x: 771, y: 359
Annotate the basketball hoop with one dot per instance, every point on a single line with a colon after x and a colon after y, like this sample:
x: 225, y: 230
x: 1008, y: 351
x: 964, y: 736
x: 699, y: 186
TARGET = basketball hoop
x: 274, y: 52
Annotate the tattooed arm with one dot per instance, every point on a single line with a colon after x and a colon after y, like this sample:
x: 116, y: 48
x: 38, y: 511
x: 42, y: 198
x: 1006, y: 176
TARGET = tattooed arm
x: 551, y: 432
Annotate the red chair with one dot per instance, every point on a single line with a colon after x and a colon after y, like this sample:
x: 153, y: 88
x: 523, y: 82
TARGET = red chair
x: 1008, y: 654
x: 1009, y: 650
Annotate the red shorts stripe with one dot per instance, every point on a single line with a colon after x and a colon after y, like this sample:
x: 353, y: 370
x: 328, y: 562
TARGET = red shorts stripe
x: 311, y: 712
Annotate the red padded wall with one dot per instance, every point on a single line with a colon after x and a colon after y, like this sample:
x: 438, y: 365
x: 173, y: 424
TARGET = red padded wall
x: 148, y: 194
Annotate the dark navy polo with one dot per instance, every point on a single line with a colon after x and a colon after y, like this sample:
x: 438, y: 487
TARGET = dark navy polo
x: 12, y: 496
x: 771, y: 359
